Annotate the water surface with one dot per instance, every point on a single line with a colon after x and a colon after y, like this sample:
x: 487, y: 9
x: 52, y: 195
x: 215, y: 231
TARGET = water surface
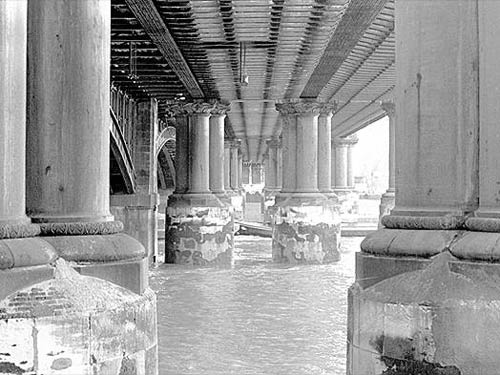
x: 257, y: 318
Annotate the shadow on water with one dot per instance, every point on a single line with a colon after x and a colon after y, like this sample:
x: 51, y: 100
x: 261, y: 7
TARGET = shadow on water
x: 256, y: 318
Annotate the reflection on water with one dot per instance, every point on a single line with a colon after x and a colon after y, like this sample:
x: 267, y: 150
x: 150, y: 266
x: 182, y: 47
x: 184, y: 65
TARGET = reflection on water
x: 257, y: 318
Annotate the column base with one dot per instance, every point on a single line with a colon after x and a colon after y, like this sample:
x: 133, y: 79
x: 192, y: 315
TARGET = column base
x: 306, y: 230
x: 434, y: 315
x: 138, y: 213
x: 199, y: 232
x: 76, y: 324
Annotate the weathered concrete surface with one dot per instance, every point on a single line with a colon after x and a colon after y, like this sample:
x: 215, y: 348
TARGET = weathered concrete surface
x: 442, y: 319
x: 200, y: 235
x: 73, y: 324
x: 117, y: 258
x: 139, y: 215
x: 306, y: 231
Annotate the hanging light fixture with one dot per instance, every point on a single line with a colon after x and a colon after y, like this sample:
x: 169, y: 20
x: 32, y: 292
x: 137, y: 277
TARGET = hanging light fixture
x: 243, y: 65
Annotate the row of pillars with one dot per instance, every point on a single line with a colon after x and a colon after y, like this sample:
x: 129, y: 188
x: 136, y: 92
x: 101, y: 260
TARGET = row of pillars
x: 205, y: 162
x: 306, y: 158
x: 56, y: 229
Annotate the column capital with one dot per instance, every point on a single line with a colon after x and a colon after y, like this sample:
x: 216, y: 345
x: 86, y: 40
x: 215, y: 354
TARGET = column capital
x: 389, y: 107
x: 290, y: 107
x: 328, y: 109
x: 199, y: 107
x: 176, y: 109
x: 273, y: 143
x: 220, y: 107
x: 350, y: 140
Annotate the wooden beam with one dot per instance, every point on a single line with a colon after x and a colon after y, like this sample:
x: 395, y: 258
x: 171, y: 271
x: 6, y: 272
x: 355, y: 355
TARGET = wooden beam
x: 154, y: 26
x: 357, y: 18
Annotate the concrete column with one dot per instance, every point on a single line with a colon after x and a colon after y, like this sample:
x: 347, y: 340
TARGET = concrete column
x: 341, y: 145
x: 333, y: 165
x: 289, y: 139
x: 68, y: 194
x: 353, y: 139
x: 12, y: 113
x: 446, y: 188
x: 272, y: 166
x: 68, y: 109
x: 199, y: 148
x: 235, y: 169
x: 307, y: 148
x: 304, y: 221
x: 489, y: 112
x: 182, y: 159
x: 227, y: 165
x: 387, y: 200
x: 240, y: 169
x: 256, y: 173
x: 325, y: 149
x: 279, y: 167
x: 218, y: 114
x: 200, y: 227
x: 247, y: 173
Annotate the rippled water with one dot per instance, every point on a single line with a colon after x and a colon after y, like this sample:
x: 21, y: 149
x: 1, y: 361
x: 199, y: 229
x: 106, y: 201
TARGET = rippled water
x: 257, y: 318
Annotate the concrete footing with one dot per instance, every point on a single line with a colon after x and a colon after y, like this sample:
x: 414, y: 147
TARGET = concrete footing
x: 74, y: 324
x: 200, y: 231
x: 425, y: 301
x: 306, y: 230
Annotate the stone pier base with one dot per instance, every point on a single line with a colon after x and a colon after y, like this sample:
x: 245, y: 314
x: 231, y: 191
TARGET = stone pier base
x: 74, y: 324
x: 100, y: 320
x: 306, y: 230
x: 200, y: 231
x: 138, y: 213
x: 425, y: 301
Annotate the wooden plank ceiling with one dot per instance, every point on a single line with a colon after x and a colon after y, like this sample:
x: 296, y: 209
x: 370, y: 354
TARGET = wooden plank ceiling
x: 334, y: 50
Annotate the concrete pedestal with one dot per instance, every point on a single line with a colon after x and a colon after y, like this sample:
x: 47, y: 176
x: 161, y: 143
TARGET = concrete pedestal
x: 200, y: 231
x: 74, y: 324
x: 306, y: 229
x: 138, y: 213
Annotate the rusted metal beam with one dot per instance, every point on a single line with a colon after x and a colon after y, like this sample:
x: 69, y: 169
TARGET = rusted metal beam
x: 154, y: 26
x: 358, y: 17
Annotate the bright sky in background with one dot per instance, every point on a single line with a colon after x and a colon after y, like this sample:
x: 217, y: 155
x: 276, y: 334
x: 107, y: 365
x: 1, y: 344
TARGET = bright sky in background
x: 371, y: 155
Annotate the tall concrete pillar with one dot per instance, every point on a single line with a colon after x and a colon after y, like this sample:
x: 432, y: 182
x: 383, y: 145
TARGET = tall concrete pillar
x: 256, y: 173
x: 199, y: 181
x: 240, y: 169
x: 235, y: 168
x: 325, y: 149
x: 218, y: 114
x: 334, y: 165
x: 289, y: 139
x: 307, y: 147
x: 306, y: 225
x: 353, y: 139
x: 200, y: 227
x: 341, y: 146
x: 440, y: 309
x: 68, y: 195
x: 272, y: 165
x: 227, y: 165
x: 139, y: 211
x: 247, y: 172
x: 387, y: 200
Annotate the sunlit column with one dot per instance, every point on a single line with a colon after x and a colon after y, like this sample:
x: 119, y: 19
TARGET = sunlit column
x: 325, y: 148
x: 227, y: 165
x: 353, y: 139
x: 68, y: 111
x: 289, y: 137
x: 217, y: 156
